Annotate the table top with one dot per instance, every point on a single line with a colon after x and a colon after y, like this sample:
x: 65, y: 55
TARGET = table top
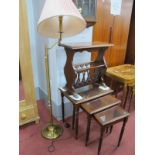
x: 111, y: 115
x: 88, y: 93
x: 100, y: 104
x: 123, y: 73
x: 86, y: 45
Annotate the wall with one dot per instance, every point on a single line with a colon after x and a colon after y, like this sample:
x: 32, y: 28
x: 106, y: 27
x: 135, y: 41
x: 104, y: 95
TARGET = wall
x: 37, y: 44
x: 32, y: 43
x: 57, y: 57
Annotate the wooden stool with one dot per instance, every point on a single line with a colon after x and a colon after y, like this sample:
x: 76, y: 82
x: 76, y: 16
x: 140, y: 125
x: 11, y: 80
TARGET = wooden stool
x: 124, y: 74
x: 110, y: 117
x: 96, y: 106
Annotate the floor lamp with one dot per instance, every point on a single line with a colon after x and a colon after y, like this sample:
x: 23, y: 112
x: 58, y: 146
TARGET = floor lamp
x: 58, y: 19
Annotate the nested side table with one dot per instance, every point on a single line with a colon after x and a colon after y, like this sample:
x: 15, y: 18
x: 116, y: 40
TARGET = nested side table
x: 88, y: 93
x: 108, y: 118
x: 84, y: 79
x: 96, y: 106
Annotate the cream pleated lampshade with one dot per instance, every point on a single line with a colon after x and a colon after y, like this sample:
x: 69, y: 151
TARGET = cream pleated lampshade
x: 48, y: 24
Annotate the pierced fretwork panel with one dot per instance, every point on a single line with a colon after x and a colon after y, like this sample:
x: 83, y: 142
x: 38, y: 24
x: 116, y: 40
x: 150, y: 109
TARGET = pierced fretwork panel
x: 88, y: 73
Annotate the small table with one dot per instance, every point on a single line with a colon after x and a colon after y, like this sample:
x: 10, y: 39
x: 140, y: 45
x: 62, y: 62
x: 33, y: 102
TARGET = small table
x: 124, y: 74
x: 96, y: 106
x: 110, y: 117
x: 88, y: 93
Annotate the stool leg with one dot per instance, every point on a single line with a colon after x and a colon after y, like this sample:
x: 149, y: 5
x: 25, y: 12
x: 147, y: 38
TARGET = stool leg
x: 100, y: 141
x: 122, y: 131
x: 88, y: 129
x: 116, y: 89
x: 73, y: 118
x: 131, y: 94
x: 76, y: 122
x: 126, y: 97
x: 111, y: 84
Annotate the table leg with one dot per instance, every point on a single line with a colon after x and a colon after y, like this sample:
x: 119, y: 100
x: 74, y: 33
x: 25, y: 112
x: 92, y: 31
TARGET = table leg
x: 100, y: 141
x: 112, y: 86
x: 73, y: 118
x: 88, y: 128
x: 76, y: 121
x: 107, y: 129
x: 63, y: 111
x: 111, y: 127
x: 122, y: 131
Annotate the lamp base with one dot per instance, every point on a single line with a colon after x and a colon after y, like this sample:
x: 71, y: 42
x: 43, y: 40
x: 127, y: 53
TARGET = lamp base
x: 52, y: 131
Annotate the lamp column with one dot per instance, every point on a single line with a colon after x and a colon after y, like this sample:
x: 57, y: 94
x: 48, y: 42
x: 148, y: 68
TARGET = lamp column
x: 50, y: 131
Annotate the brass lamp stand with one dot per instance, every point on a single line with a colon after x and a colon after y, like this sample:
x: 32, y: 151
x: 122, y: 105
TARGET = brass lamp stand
x: 54, y: 15
x: 51, y: 131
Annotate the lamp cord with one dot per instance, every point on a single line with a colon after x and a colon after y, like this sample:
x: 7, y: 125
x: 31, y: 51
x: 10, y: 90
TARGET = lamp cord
x: 51, y: 147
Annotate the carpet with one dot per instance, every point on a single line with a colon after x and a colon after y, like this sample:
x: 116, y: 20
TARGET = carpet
x: 32, y: 143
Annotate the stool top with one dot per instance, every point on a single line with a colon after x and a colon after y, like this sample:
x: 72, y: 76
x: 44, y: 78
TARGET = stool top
x: 100, y: 104
x: 111, y: 116
x: 123, y: 73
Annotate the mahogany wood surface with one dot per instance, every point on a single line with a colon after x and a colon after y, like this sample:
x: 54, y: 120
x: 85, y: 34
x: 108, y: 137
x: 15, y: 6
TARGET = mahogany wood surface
x: 100, y: 104
x: 111, y: 115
